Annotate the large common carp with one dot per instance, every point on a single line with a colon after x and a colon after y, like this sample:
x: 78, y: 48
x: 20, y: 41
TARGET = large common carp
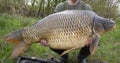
x: 68, y: 30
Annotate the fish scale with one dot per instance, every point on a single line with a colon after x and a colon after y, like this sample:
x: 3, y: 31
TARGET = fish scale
x: 71, y: 29
x: 67, y: 30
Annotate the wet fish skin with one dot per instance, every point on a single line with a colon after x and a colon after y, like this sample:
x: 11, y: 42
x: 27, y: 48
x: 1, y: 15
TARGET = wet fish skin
x: 64, y: 30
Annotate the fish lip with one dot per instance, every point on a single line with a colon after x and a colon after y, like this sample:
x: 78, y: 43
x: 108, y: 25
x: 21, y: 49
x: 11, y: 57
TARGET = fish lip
x: 114, y: 25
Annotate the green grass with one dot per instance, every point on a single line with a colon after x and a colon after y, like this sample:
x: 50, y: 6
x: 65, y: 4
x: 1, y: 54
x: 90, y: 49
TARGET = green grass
x: 109, y: 49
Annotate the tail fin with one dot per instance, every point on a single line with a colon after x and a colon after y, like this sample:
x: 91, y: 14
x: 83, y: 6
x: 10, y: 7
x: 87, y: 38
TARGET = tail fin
x: 14, y: 37
x: 19, y: 49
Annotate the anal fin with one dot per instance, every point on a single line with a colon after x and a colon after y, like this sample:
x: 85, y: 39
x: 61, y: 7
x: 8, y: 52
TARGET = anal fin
x: 65, y: 52
x: 94, y: 44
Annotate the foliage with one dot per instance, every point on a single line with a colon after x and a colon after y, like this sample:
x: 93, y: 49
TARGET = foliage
x: 105, y: 8
x: 38, y: 8
x: 42, y: 8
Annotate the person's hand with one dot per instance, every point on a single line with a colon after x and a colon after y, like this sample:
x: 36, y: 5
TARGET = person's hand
x: 44, y: 42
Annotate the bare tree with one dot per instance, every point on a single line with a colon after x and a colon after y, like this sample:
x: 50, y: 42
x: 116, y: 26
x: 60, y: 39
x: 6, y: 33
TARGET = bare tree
x: 42, y: 8
x: 105, y: 8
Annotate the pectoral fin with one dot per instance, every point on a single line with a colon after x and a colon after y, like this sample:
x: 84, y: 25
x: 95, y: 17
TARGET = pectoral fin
x: 94, y: 44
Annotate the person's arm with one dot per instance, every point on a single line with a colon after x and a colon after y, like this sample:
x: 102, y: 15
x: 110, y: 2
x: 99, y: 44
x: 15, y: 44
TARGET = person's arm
x: 59, y: 7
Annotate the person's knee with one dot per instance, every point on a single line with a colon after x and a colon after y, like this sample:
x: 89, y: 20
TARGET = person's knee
x: 83, y: 54
x: 64, y: 58
x: 85, y: 51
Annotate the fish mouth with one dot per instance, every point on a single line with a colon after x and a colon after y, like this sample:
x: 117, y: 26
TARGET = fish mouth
x: 114, y: 24
x: 111, y: 26
x: 114, y: 27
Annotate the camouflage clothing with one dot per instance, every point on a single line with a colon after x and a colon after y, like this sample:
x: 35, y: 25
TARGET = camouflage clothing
x: 66, y: 6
